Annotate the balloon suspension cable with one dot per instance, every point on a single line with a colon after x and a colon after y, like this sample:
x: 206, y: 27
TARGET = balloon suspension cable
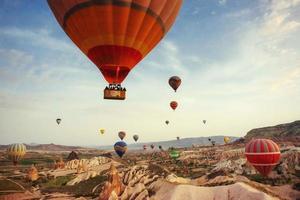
x: 116, y: 87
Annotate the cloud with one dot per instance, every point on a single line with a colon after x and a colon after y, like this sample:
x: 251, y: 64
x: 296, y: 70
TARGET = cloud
x: 14, y: 58
x: 41, y: 38
x: 288, y: 81
x: 222, y: 2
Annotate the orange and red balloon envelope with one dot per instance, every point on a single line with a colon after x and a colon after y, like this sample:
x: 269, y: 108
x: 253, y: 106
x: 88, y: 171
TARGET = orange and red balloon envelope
x: 173, y: 105
x: 115, y: 34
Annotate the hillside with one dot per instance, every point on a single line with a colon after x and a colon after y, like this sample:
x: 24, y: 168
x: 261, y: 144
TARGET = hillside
x: 281, y: 131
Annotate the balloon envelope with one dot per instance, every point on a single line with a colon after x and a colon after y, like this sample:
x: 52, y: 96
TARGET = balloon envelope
x: 120, y: 148
x: 115, y: 34
x: 58, y: 120
x: 263, y: 154
x: 174, y: 154
x: 167, y: 122
x: 122, y: 135
x: 102, y: 131
x: 135, y: 137
x: 174, y: 82
x: 15, y: 152
x: 226, y: 140
x: 204, y: 121
x: 152, y: 146
x: 173, y: 105
x: 144, y: 147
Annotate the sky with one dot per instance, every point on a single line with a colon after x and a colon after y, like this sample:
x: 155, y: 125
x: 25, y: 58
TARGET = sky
x: 239, y: 62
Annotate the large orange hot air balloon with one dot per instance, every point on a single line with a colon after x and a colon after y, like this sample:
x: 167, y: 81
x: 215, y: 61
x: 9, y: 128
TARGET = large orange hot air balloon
x: 263, y: 154
x: 174, y: 82
x: 115, y: 34
x: 173, y: 105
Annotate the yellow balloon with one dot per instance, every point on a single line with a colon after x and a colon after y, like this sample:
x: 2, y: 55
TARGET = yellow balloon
x: 16, y: 152
x: 102, y: 131
x: 226, y: 140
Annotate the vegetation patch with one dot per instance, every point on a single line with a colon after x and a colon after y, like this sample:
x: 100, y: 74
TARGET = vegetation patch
x: 84, y: 188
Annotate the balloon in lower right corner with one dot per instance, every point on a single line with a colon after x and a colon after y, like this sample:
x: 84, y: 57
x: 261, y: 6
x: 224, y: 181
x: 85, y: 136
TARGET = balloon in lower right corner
x: 263, y: 154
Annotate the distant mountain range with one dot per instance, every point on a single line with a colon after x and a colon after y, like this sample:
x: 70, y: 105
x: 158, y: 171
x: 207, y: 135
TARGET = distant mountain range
x: 183, y: 142
x: 47, y: 147
x: 281, y: 132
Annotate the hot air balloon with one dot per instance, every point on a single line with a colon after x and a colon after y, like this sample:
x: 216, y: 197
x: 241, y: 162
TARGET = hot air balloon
x: 173, y: 105
x: 174, y: 82
x: 16, y: 152
x: 160, y: 147
x: 152, y: 146
x: 204, y: 121
x: 122, y: 134
x: 120, y: 148
x: 213, y: 143
x: 209, y: 139
x: 58, y: 120
x: 167, y: 122
x: 226, y: 139
x: 102, y: 131
x: 263, y: 154
x: 174, y: 154
x: 115, y: 34
x: 144, y: 147
x: 135, y: 137
x: 178, y: 138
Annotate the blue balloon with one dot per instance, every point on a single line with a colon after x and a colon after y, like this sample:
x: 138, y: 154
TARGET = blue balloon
x: 120, y: 148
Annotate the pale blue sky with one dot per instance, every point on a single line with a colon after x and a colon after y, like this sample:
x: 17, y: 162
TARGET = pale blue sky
x: 239, y: 62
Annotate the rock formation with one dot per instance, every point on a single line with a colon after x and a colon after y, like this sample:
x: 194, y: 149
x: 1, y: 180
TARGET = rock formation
x: 32, y: 174
x: 288, y: 131
x: 113, y: 187
x: 72, y: 156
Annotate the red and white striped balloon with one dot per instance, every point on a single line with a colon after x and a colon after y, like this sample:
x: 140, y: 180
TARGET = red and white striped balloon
x: 263, y: 154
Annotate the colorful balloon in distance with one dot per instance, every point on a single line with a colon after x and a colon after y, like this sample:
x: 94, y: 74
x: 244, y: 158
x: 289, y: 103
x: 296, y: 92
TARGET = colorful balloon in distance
x: 174, y: 154
x: 16, y: 152
x: 122, y: 135
x: 152, y: 146
x: 120, y: 148
x: 135, y: 137
x: 145, y: 147
x: 102, y: 131
x: 58, y: 120
x: 173, y: 105
x: 115, y: 35
x: 174, y: 82
x: 263, y: 154
x: 204, y: 121
x: 226, y: 140
x: 178, y: 138
x: 167, y: 122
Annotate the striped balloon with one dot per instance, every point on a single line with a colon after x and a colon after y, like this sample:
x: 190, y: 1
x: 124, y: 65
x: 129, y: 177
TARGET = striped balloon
x: 115, y: 34
x: 16, y: 152
x: 263, y: 154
